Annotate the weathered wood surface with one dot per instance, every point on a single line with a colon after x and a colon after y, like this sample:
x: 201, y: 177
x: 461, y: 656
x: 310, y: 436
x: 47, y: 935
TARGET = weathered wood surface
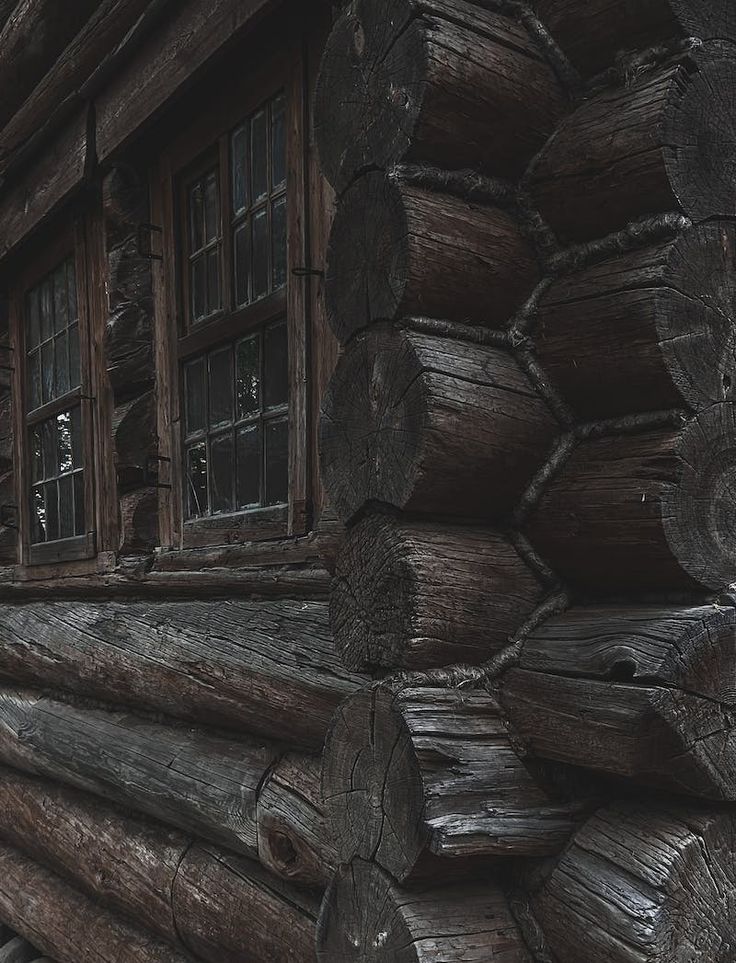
x: 293, y: 839
x: 18, y: 950
x: 645, y: 512
x: 66, y: 924
x: 426, y: 782
x: 594, y: 32
x: 430, y: 425
x: 134, y: 434
x: 652, y: 883
x: 431, y: 81
x: 418, y: 595
x: 398, y: 250
x: 138, y: 521
x: 367, y: 918
x: 641, y: 692
x: 263, y: 666
x: 202, y: 783
x: 662, y: 144
x: 645, y: 331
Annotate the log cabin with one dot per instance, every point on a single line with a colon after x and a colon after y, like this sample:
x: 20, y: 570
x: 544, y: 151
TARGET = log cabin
x: 367, y: 545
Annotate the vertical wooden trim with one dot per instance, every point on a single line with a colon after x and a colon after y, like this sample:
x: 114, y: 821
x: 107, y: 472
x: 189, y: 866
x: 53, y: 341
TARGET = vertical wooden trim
x: 18, y: 343
x: 90, y: 426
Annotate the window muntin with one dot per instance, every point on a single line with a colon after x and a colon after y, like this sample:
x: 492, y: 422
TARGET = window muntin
x: 203, y: 200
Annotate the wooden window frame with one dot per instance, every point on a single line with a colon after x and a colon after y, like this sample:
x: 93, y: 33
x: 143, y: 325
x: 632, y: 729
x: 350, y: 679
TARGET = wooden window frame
x: 281, y: 69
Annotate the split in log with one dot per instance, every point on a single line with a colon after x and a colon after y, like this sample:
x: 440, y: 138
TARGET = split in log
x: 645, y: 331
x: 431, y: 81
x: 204, y: 784
x: 645, y: 693
x: 367, y: 918
x: 645, y: 512
x: 419, y: 595
x: 642, y: 884
x: 426, y: 782
x: 397, y: 250
x: 664, y: 144
x: 593, y: 32
x: 430, y: 425
x: 66, y: 924
x: 266, y: 666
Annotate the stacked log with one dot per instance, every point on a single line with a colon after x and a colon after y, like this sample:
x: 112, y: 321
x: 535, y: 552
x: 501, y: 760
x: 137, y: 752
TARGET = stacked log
x: 10, y: 516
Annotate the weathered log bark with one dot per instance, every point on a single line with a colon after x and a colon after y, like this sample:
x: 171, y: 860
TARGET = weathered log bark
x: 204, y: 784
x: 645, y: 331
x: 644, y: 884
x: 293, y: 841
x: 18, y: 950
x: 134, y: 433
x: 430, y: 425
x: 437, y: 81
x: 263, y: 666
x: 398, y: 250
x: 420, y: 594
x: 645, y: 512
x: 593, y: 32
x: 426, y: 782
x: 642, y: 692
x: 66, y: 924
x: 367, y: 918
x: 138, y: 523
x: 661, y: 145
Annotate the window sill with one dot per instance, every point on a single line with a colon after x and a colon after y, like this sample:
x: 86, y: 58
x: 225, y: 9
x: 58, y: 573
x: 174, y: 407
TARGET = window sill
x: 252, y: 526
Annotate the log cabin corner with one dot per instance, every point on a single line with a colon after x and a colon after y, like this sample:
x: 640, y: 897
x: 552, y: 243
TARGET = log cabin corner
x: 367, y: 481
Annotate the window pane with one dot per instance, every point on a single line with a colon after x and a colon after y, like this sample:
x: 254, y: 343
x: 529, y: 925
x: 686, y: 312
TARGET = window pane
x: 71, y: 280
x: 260, y: 253
x: 277, y: 462
x: 276, y: 368
x: 213, y: 281
x: 199, y: 287
x: 249, y: 466
x: 66, y: 506
x: 50, y: 452
x: 278, y: 242
x: 36, y: 454
x: 61, y: 319
x: 46, y: 310
x: 80, y: 525
x: 259, y: 155
x: 211, y: 205
x: 75, y: 375
x: 196, y: 469
x: 241, y: 253
x: 278, y: 141
x: 240, y: 174
x: 196, y: 217
x: 248, y: 354
x: 77, y: 449
x: 33, y: 308
x: 222, y: 473
x: 38, y: 515
x: 51, y: 495
x: 61, y: 361
x: 34, y: 380
x: 221, y: 386
x: 195, y: 393
x: 47, y: 371
x: 64, y: 436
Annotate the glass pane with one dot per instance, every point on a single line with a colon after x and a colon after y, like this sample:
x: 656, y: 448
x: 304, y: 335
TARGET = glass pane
x: 211, y: 203
x: 197, y: 480
x: 77, y: 448
x: 38, y: 515
x: 248, y: 355
x: 79, y: 510
x: 71, y: 280
x: 221, y: 386
x: 213, y: 281
x: 195, y: 393
x: 249, y: 466
x: 51, y: 495
x: 276, y: 367
x: 50, y: 452
x: 196, y: 217
x: 64, y: 436
x: 199, y: 287
x: 36, y: 454
x: 66, y: 506
x: 75, y: 375
x: 259, y: 155
x: 34, y: 380
x: 61, y: 318
x: 47, y: 371
x: 222, y: 473
x: 277, y: 462
x: 260, y: 253
x: 33, y: 308
x: 278, y: 141
x: 240, y: 175
x: 241, y: 253
x: 61, y: 361
x: 46, y: 310
x: 278, y: 241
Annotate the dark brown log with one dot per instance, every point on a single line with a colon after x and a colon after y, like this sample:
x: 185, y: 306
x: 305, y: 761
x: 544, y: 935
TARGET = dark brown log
x: 419, y: 595
x: 426, y: 782
x: 593, y: 32
x: 661, y: 145
x: 642, y: 884
x: 139, y: 521
x: 398, y: 250
x: 431, y: 81
x: 293, y: 841
x: 645, y: 331
x: 6, y: 429
x: 262, y: 666
x: 367, y: 918
x: 430, y: 424
x: 18, y: 950
x: 645, y: 512
x: 66, y: 924
x: 329, y: 537
x: 204, y: 784
x: 134, y: 433
x: 645, y: 693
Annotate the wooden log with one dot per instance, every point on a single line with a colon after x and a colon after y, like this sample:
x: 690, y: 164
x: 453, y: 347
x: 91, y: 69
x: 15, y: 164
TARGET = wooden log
x: 640, y: 692
x: 66, y: 924
x: 138, y: 524
x: 204, y: 784
x: 645, y: 331
x: 417, y: 595
x: 431, y: 81
x: 657, y: 146
x: 593, y: 32
x: 134, y: 434
x: 367, y: 918
x: 430, y: 425
x: 398, y: 250
x: 18, y: 950
x: 645, y: 512
x: 426, y: 782
x: 642, y: 883
x: 264, y: 666
x: 293, y: 841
